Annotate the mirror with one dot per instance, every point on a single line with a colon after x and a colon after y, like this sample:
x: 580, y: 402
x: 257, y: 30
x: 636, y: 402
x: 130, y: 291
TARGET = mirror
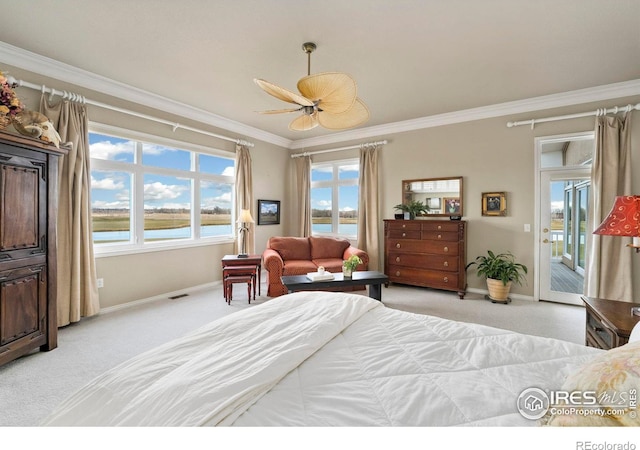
x: 443, y: 196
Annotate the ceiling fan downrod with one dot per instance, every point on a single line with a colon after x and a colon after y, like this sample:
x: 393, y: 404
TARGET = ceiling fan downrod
x: 308, y: 48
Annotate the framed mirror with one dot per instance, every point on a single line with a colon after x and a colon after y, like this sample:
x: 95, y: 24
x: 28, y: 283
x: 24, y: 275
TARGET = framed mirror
x: 443, y: 196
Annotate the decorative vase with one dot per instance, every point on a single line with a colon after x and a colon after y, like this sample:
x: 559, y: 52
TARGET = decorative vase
x: 346, y: 272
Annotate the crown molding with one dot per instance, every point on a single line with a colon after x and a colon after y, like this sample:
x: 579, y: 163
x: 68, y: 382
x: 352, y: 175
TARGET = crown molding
x: 51, y: 68
x: 569, y: 98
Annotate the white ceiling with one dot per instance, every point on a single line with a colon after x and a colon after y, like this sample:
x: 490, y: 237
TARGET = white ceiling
x: 411, y: 59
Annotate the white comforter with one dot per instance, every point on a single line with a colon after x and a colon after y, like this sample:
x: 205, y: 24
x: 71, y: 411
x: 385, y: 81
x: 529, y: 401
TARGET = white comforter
x: 327, y: 359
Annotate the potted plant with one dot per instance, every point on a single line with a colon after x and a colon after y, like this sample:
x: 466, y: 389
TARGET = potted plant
x: 500, y: 270
x: 349, y: 265
x: 414, y: 208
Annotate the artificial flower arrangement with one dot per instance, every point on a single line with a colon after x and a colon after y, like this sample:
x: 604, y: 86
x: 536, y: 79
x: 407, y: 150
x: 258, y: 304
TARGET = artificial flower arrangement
x: 10, y: 104
x: 352, y: 262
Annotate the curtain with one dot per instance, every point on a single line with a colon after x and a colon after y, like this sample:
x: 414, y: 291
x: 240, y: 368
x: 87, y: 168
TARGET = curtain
x: 303, y: 189
x: 244, y: 194
x: 368, y: 205
x: 77, y: 281
x: 609, y: 260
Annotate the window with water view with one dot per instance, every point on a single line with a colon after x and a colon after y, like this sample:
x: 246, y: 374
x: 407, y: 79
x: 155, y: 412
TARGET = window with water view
x: 143, y: 192
x: 334, y: 198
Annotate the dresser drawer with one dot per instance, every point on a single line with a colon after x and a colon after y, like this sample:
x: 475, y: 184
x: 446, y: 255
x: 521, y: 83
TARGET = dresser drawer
x: 599, y: 333
x: 432, y: 262
x: 405, y: 234
x: 448, y: 236
x: 440, y: 226
x: 423, y: 277
x: 423, y: 246
x: 406, y: 225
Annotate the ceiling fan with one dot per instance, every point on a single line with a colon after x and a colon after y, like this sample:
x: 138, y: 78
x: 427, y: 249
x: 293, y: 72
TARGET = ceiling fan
x: 328, y: 99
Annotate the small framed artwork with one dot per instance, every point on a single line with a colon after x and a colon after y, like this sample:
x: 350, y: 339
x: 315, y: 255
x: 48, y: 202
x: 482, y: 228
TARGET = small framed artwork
x: 494, y: 204
x: 268, y: 212
x: 451, y: 205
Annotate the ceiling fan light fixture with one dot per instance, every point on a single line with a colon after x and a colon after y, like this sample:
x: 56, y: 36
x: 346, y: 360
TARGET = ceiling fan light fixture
x: 328, y: 99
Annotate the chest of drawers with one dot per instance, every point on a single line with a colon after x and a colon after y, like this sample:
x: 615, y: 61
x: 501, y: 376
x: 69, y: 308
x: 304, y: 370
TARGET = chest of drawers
x: 427, y: 253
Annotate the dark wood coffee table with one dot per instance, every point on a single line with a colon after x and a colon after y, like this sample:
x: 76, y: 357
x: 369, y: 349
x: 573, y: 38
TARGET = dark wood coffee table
x: 370, y: 278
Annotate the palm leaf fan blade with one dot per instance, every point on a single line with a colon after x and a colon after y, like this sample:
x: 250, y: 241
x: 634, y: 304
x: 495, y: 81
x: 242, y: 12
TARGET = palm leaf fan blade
x: 282, y: 93
x: 335, y: 91
x: 304, y: 122
x: 353, y: 117
x: 279, y: 111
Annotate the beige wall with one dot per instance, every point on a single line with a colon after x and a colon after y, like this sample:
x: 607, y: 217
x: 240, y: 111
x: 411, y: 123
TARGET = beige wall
x: 490, y: 157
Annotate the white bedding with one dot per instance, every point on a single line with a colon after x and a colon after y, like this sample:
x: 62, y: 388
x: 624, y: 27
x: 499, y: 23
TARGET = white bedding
x: 327, y: 359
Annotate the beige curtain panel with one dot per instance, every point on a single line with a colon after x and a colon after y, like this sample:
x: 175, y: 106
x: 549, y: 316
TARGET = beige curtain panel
x: 303, y: 184
x: 77, y: 281
x: 244, y: 194
x: 368, y: 205
x: 608, y: 272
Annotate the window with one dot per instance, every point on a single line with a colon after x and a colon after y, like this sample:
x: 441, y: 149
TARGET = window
x: 334, y: 198
x: 144, y: 193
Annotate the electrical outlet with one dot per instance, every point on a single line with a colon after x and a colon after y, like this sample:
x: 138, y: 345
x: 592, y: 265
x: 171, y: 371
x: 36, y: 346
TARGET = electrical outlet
x: 527, y: 228
x: 100, y: 282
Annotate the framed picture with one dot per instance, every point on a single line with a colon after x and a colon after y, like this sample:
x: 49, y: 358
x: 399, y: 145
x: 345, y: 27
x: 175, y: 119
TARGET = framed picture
x: 268, y: 212
x: 494, y: 204
x: 451, y: 205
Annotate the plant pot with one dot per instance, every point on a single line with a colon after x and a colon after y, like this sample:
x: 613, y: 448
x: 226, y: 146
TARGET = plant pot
x: 498, y: 291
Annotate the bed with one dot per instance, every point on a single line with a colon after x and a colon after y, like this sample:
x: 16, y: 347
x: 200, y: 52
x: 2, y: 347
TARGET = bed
x: 328, y: 359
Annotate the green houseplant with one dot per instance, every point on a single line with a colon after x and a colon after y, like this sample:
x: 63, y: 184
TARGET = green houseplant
x: 350, y: 264
x: 414, y: 208
x: 500, y: 270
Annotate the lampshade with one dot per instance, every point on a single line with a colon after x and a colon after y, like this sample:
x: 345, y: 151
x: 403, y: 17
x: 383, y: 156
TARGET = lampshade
x: 245, y: 216
x: 623, y: 219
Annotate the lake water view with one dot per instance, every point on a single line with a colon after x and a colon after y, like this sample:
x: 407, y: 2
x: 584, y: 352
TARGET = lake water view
x: 350, y: 229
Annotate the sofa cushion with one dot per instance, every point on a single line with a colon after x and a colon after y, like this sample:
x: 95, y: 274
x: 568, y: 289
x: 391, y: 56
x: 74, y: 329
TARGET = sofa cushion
x: 298, y: 267
x: 333, y: 265
x: 291, y: 247
x: 327, y: 247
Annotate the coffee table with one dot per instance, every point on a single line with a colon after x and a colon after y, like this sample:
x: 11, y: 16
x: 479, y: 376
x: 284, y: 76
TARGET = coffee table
x: 370, y: 278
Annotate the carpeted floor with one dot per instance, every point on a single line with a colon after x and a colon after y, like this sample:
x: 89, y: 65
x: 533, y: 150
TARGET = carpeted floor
x: 32, y: 386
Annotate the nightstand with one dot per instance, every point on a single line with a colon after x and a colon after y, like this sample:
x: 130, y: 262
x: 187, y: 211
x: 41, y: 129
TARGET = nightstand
x: 609, y: 322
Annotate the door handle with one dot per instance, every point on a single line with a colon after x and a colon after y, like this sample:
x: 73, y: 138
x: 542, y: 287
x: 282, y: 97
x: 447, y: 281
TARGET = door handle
x: 546, y: 230
x: 546, y: 241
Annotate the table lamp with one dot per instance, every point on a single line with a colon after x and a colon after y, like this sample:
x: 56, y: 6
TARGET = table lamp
x: 245, y: 218
x: 623, y: 220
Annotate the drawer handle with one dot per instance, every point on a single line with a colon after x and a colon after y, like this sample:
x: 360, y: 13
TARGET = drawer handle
x: 397, y: 259
x: 439, y: 227
x: 404, y: 226
x: 446, y: 249
x: 446, y: 279
x: 446, y: 264
x: 439, y: 236
x: 397, y: 273
x: 404, y: 234
x: 398, y: 245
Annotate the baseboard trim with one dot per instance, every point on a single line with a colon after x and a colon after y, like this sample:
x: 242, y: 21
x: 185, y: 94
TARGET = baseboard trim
x: 512, y: 296
x: 155, y: 298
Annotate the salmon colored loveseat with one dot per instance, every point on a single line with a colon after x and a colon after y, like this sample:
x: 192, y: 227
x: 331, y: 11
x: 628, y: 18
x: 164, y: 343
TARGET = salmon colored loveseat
x: 299, y: 256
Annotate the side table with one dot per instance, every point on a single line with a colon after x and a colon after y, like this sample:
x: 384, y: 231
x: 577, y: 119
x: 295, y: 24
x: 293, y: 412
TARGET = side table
x: 609, y: 322
x: 251, y: 260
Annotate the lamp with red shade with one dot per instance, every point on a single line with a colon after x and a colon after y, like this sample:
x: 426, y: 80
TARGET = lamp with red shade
x: 623, y: 220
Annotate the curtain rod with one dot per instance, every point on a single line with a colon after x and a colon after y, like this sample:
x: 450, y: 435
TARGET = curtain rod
x: 81, y: 99
x: 366, y: 144
x: 597, y: 112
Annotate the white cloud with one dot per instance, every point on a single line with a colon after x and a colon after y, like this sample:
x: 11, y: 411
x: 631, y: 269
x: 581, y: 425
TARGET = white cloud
x: 107, y: 150
x: 110, y: 184
x: 101, y: 204
x: 228, y: 171
x: 326, y: 204
x: 347, y: 209
x: 158, y: 191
